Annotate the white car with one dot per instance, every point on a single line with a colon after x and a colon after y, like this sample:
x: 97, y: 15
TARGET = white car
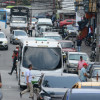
x: 3, y: 41
x: 71, y: 31
x: 17, y: 35
x: 72, y: 59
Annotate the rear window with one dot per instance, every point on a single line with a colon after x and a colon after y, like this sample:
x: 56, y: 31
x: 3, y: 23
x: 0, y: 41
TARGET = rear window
x: 69, y: 20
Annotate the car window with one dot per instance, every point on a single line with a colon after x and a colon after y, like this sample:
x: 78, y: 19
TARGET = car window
x: 85, y: 96
x: 69, y: 20
x: 77, y: 57
x: 2, y: 35
x: 95, y: 72
x: 60, y: 81
x: 20, y: 33
x: 66, y: 44
x: 54, y: 37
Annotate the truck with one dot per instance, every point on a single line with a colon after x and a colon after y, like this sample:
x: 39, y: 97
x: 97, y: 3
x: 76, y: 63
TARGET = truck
x: 19, y: 18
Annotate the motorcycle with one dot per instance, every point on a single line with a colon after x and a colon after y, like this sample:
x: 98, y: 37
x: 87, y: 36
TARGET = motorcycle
x: 93, y: 56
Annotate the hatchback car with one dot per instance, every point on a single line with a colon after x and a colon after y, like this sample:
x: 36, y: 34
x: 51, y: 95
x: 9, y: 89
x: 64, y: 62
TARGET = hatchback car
x: 17, y: 35
x: 53, y: 86
x: 3, y: 41
x: 82, y: 94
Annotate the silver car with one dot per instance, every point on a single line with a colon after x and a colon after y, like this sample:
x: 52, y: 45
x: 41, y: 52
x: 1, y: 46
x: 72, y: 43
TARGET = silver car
x: 17, y: 35
x: 53, y: 86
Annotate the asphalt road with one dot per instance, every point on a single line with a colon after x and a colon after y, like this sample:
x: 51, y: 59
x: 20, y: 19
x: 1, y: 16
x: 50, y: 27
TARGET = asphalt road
x: 10, y: 88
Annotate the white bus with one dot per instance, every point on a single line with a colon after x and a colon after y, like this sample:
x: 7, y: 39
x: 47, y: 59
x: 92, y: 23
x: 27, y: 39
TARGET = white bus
x: 44, y: 54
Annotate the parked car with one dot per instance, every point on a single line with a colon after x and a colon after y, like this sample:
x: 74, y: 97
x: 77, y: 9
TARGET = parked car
x: 67, y: 46
x: 3, y: 41
x: 95, y: 85
x: 67, y: 22
x: 71, y: 31
x: 52, y: 35
x: 94, y: 73
x: 17, y: 35
x: 72, y: 59
x: 82, y: 94
x: 53, y: 86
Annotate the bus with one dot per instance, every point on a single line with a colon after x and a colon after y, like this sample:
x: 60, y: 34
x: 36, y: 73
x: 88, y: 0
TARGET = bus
x: 44, y: 54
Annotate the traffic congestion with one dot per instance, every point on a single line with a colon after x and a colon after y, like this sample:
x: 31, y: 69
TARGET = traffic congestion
x: 46, y: 57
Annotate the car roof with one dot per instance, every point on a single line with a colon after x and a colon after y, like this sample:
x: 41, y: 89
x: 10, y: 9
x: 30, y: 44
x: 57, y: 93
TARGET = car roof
x: 1, y: 32
x: 77, y: 53
x: 65, y: 41
x: 88, y: 83
x: 81, y: 90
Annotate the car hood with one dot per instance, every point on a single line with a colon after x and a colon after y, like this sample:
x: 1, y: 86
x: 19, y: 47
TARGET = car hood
x: 71, y: 31
x: 56, y: 91
x: 3, y: 39
x: 20, y: 37
x: 68, y: 50
x: 73, y: 61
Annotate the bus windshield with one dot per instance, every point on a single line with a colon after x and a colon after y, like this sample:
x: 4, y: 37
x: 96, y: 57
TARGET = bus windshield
x: 42, y: 58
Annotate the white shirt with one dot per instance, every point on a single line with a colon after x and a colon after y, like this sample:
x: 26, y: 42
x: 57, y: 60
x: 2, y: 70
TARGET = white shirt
x: 28, y: 73
x: 30, y: 27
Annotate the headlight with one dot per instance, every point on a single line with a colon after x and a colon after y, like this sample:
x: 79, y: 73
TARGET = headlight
x: 16, y: 38
x: 47, y: 98
x: 4, y: 42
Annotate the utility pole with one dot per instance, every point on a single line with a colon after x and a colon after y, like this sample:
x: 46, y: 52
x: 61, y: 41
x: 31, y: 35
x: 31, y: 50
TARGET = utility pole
x: 98, y: 32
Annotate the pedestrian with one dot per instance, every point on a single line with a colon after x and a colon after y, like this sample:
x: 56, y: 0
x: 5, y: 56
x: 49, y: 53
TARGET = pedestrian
x: 28, y: 79
x: 80, y: 65
x: 79, y: 43
x: 14, y: 62
x: 65, y: 31
x: 83, y: 73
x: 30, y: 30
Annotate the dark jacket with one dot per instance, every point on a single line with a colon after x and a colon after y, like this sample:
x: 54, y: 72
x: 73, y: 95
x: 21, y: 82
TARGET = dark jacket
x: 79, y: 42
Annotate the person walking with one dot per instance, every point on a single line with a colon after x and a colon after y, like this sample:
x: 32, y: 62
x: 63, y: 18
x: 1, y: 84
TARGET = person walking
x: 28, y: 79
x: 79, y: 42
x: 15, y: 55
x: 30, y: 30
x: 80, y: 64
x: 83, y: 73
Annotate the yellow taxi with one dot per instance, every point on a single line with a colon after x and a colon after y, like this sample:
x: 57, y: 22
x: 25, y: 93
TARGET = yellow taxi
x: 87, y: 85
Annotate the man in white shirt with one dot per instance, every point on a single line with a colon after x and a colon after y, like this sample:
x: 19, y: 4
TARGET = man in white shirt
x: 28, y: 78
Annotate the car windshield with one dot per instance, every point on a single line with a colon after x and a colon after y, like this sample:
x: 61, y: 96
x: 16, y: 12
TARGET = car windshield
x: 60, y: 81
x: 95, y: 72
x: 54, y: 37
x: 77, y: 57
x: 2, y: 35
x: 70, y: 28
x: 20, y: 33
x: 66, y: 44
x: 41, y: 58
x: 85, y: 96
x: 34, y: 20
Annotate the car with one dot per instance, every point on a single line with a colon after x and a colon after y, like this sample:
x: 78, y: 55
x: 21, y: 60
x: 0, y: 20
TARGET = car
x: 95, y: 85
x: 82, y: 94
x: 67, y: 46
x: 67, y: 22
x: 17, y: 35
x: 72, y: 59
x: 34, y: 21
x: 3, y: 41
x: 71, y: 31
x: 94, y: 73
x: 52, y: 35
x: 53, y: 86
